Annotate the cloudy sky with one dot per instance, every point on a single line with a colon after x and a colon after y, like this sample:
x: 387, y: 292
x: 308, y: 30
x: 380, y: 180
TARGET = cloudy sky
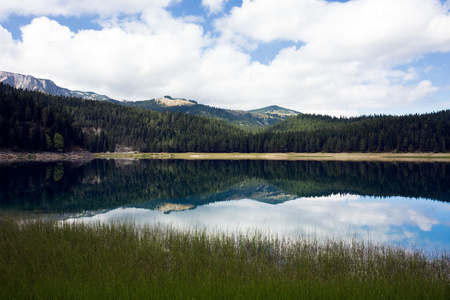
x: 315, y: 56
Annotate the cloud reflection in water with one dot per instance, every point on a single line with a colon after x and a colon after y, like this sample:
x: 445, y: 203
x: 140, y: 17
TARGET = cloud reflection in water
x: 395, y: 220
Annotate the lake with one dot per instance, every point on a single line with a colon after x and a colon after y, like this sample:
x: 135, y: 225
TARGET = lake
x: 395, y: 203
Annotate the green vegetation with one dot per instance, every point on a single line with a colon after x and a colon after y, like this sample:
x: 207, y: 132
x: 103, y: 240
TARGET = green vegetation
x: 43, y: 260
x: 27, y: 118
x: 307, y: 123
x: 410, y: 133
x: 58, y: 142
x: 275, y: 111
x: 30, y: 120
x: 255, y: 121
x: 29, y: 123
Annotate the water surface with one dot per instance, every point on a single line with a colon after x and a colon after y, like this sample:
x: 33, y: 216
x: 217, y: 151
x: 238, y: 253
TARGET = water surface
x: 400, y: 203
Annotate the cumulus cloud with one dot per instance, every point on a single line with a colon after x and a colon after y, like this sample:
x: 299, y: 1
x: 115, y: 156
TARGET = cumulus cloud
x: 214, y: 6
x: 6, y: 46
x: 352, y: 56
x: 79, y: 7
x: 122, y: 60
x: 351, y: 49
x: 363, y: 30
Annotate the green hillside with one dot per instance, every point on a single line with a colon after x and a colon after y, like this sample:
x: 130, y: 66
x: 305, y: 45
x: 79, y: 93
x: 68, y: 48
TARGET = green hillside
x: 29, y: 119
x: 410, y: 133
x: 276, y: 110
x: 33, y: 121
x: 308, y: 123
x: 254, y: 120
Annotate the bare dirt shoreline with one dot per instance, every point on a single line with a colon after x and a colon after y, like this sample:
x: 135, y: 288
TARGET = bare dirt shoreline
x: 79, y: 156
x: 285, y: 156
x: 83, y: 156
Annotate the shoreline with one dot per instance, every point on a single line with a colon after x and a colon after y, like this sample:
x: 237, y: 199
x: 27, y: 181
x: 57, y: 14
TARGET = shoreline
x: 284, y: 156
x: 84, y: 156
x: 77, y: 156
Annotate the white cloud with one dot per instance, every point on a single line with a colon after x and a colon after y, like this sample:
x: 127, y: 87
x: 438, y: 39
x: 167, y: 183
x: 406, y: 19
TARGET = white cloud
x: 351, y: 49
x: 364, y: 30
x: 79, y: 7
x: 130, y: 60
x: 7, y: 46
x: 214, y: 6
x: 354, y: 56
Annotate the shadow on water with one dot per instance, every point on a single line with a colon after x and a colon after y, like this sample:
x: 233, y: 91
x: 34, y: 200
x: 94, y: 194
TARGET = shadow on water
x: 107, y: 184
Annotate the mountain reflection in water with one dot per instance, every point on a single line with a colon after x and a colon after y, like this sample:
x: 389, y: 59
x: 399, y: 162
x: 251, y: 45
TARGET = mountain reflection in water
x: 408, y: 222
x: 386, y: 202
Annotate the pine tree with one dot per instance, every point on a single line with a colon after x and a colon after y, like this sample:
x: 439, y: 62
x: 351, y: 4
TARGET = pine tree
x: 58, y: 142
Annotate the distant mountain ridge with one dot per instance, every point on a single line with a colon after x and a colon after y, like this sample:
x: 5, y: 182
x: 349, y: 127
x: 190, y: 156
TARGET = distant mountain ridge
x: 30, y: 83
x: 276, y: 110
x: 254, y: 120
x: 34, y: 121
x: 250, y: 120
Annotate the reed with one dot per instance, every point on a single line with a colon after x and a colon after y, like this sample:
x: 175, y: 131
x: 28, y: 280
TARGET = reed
x: 115, y: 261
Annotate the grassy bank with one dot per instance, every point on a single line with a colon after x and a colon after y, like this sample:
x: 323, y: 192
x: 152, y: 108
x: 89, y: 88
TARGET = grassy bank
x: 40, y: 260
x: 284, y: 156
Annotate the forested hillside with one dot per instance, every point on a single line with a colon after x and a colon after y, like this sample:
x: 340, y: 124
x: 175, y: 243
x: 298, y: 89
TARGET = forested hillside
x: 255, y: 121
x: 28, y: 118
x: 32, y: 121
x: 28, y: 121
x: 411, y: 133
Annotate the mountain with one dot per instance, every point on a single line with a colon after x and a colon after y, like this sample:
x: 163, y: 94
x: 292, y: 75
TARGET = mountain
x: 30, y: 83
x: 254, y: 120
x: 254, y: 189
x: 276, y: 111
x: 35, y: 121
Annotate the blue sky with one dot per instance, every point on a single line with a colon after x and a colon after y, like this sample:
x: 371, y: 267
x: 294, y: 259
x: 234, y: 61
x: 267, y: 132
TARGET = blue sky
x: 315, y: 56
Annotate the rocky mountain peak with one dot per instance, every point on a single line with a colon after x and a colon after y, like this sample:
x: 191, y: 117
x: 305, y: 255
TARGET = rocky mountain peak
x: 30, y: 83
x: 169, y: 101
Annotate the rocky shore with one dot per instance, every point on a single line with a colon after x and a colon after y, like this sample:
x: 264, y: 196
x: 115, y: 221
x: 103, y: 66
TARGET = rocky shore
x: 7, y: 157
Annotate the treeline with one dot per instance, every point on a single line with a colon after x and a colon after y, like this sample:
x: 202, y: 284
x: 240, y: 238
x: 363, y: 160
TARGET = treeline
x: 312, y: 133
x: 100, y: 126
x: 29, y: 122
x: 108, y: 126
x: 33, y: 121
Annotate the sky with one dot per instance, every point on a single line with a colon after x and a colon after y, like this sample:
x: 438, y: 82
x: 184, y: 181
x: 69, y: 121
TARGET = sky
x: 340, y: 58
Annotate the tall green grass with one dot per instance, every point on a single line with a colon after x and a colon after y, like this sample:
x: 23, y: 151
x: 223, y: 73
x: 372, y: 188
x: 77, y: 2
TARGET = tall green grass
x: 44, y: 260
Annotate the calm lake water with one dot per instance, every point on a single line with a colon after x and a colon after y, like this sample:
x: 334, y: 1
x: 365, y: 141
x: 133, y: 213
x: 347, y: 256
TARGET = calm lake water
x: 401, y: 203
